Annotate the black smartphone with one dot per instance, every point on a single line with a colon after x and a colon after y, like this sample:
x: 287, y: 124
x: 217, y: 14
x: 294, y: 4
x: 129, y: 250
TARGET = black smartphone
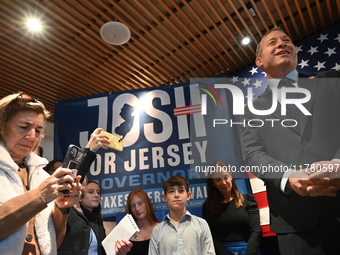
x: 73, y: 157
x: 72, y: 160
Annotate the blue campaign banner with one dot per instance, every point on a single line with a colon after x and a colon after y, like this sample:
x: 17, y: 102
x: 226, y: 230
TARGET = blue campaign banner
x: 164, y: 133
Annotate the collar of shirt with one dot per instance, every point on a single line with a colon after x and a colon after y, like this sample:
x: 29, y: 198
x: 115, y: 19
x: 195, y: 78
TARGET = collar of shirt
x: 274, y: 82
x: 184, y: 217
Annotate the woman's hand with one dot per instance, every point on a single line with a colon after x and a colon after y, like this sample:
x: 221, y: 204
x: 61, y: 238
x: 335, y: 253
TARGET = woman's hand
x: 98, y: 140
x: 52, y: 187
x: 72, y: 197
x: 123, y: 246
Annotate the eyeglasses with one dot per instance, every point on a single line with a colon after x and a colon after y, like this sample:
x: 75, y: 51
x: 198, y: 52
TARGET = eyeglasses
x: 25, y: 98
x: 22, y: 102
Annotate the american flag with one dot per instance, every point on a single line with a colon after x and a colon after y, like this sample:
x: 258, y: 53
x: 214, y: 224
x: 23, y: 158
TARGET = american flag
x: 315, y: 54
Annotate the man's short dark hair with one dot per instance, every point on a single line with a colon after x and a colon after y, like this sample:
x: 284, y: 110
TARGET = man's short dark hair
x: 176, y: 180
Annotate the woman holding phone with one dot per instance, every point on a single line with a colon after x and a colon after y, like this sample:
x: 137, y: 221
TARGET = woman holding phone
x: 85, y: 229
x: 33, y: 208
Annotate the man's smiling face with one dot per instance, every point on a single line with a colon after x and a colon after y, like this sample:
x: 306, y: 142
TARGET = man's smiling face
x: 278, y: 55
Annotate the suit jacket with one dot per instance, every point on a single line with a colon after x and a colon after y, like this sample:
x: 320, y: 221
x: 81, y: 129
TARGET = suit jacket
x: 273, y: 144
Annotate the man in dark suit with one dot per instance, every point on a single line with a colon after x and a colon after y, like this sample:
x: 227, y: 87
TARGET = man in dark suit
x: 301, y: 155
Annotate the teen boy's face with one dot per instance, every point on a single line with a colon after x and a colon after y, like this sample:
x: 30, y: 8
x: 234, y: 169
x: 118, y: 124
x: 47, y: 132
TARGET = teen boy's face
x: 176, y: 197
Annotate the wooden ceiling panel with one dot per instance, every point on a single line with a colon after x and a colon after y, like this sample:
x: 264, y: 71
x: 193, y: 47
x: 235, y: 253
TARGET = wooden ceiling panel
x: 171, y: 41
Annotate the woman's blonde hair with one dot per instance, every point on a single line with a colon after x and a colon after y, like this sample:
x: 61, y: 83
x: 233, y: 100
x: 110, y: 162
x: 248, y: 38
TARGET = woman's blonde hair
x: 12, y: 104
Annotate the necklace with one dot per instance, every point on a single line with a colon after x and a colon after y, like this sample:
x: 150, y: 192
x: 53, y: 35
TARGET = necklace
x: 148, y: 225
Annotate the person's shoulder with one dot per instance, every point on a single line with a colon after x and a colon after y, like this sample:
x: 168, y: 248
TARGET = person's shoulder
x: 161, y: 224
x: 155, y: 224
x: 195, y: 217
x: 76, y: 211
x: 265, y: 94
x: 200, y: 225
x: 200, y: 220
x: 205, y: 206
x: 324, y: 74
x: 250, y: 199
x: 330, y: 74
x: 76, y: 217
x: 248, y: 196
x: 157, y: 229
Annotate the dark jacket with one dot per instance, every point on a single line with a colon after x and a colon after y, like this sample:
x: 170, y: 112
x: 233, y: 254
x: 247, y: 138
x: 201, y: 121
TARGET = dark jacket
x: 77, y: 238
x: 279, y: 146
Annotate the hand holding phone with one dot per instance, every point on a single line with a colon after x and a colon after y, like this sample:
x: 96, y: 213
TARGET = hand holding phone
x: 72, y: 160
x: 116, y: 142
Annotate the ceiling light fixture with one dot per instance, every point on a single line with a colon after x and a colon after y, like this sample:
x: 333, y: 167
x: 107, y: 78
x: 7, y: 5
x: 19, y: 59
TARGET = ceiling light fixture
x: 115, y: 33
x: 245, y: 40
x: 34, y: 25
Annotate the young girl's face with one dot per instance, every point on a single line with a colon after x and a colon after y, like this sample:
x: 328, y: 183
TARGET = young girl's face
x: 92, y: 196
x: 138, y: 208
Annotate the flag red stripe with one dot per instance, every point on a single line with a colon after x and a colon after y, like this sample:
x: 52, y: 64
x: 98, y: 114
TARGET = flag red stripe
x: 261, y: 198
x: 186, y: 113
x: 266, y: 231
x: 190, y: 106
